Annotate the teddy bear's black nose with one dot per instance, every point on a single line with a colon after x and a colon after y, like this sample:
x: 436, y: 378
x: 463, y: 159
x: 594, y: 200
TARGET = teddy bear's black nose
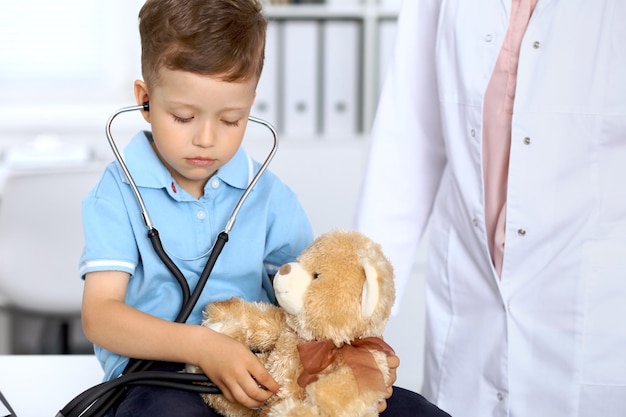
x: 285, y: 269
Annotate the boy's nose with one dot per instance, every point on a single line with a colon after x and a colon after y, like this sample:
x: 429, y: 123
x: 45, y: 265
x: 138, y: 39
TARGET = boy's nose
x: 204, y: 137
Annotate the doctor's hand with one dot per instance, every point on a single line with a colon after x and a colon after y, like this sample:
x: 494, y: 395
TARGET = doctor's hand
x: 393, y: 362
x: 236, y: 371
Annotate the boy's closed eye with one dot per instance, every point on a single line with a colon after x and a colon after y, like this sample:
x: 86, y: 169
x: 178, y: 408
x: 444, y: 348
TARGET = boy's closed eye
x: 229, y: 123
x: 179, y: 119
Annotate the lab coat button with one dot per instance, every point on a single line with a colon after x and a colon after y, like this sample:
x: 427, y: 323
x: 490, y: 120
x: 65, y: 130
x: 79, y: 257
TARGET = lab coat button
x: 473, y: 133
x: 536, y: 44
x: 215, y: 183
x: 488, y: 38
x: 527, y: 141
x: 500, y: 396
x: 201, y: 215
x: 521, y: 232
x: 475, y: 222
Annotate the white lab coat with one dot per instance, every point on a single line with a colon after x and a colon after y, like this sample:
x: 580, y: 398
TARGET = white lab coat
x: 549, y: 337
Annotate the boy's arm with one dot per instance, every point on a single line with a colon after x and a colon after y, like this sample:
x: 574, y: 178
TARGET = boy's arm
x: 115, y: 326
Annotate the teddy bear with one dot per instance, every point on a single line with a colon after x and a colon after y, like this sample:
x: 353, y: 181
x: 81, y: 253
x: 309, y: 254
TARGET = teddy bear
x: 322, y: 343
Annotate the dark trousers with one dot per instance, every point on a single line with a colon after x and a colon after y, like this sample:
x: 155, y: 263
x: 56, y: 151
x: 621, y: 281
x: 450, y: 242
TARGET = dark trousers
x: 164, y: 402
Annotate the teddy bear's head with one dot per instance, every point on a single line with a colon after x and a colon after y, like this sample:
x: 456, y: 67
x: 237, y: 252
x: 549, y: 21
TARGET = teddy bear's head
x: 340, y: 288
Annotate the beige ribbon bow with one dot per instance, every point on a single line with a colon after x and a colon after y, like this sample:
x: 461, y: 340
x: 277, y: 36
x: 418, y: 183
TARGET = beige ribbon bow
x: 317, y: 356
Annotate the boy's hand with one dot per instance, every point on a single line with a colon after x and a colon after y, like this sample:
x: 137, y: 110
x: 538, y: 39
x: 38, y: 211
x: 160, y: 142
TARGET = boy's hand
x: 237, y: 372
x: 393, y: 362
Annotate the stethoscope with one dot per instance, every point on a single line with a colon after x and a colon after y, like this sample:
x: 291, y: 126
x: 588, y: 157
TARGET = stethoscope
x: 97, y: 400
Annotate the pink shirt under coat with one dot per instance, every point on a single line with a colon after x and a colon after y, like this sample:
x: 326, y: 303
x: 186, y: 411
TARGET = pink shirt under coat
x: 497, y: 118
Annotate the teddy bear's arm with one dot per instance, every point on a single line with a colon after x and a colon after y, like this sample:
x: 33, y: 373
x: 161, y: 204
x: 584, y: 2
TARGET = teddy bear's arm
x: 255, y: 324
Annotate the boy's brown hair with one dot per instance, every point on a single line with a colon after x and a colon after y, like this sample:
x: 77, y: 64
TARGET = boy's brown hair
x: 223, y: 38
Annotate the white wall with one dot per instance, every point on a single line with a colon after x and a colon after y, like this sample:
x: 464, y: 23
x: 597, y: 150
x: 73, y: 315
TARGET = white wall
x: 325, y: 174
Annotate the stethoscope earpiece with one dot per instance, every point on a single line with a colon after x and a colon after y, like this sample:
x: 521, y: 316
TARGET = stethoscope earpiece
x: 146, y: 106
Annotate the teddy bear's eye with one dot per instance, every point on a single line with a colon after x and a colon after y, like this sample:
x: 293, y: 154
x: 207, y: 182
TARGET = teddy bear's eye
x: 316, y: 275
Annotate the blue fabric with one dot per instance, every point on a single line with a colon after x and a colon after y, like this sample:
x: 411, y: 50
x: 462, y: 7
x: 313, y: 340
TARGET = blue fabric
x: 162, y: 402
x: 271, y: 229
x: 404, y: 403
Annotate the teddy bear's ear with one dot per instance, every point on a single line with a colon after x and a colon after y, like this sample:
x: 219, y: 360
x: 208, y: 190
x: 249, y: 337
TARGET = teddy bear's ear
x: 371, y: 290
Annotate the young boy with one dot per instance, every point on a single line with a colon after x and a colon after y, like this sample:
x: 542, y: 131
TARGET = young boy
x: 201, y: 61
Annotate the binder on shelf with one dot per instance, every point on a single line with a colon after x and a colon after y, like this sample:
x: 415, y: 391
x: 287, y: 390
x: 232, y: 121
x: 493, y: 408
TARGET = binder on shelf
x: 300, y: 77
x: 266, y: 101
x: 341, y: 77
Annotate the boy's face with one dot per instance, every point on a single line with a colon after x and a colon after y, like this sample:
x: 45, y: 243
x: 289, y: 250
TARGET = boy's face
x: 198, y: 123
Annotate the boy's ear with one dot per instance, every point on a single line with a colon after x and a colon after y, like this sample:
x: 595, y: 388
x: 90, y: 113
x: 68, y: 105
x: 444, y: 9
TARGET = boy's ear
x: 142, y: 96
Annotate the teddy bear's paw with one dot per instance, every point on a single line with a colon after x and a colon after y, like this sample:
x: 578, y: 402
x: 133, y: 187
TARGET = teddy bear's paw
x: 292, y: 408
x: 220, y: 311
x: 218, y: 326
x: 225, y: 317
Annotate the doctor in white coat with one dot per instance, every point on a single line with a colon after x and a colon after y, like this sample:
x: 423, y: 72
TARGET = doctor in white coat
x: 526, y: 297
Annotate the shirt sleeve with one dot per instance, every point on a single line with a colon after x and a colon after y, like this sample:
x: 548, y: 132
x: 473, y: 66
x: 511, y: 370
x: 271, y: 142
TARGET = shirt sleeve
x: 109, y: 237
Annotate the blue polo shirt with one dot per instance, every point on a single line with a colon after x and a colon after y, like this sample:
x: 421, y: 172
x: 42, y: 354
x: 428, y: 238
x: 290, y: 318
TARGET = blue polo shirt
x: 271, y: 229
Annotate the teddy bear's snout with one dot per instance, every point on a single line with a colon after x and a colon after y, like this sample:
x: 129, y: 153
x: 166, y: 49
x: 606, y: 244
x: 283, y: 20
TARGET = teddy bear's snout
x: 285, y: 269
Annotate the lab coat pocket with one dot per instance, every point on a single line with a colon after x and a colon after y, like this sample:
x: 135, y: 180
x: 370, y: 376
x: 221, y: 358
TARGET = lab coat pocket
x: 603, y: 331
